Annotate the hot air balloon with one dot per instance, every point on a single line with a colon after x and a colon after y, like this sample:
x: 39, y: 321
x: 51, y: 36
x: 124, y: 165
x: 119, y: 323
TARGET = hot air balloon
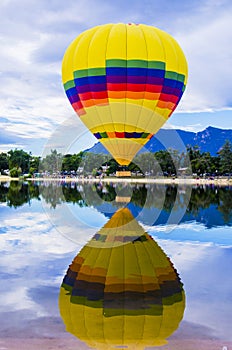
x: 124, y: 81
x: 122, y: 290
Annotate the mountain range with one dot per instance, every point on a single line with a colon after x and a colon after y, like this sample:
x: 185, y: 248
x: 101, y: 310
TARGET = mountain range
x: 209, y: 140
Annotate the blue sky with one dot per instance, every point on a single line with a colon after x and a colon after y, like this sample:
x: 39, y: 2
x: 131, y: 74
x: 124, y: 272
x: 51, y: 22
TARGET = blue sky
x: 35, y: 34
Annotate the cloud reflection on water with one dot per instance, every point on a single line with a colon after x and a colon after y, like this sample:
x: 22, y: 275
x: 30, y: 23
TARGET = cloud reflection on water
x: 34, y: 258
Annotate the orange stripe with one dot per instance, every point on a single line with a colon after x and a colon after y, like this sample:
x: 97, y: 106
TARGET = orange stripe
x: 163, y: 104
x: 111, y: 134
x: 88, y: 103
x: 102, y: 101
x: 81, y: 111
x: 135, y: 95
x: 117, y: 94
x: 151, y: 96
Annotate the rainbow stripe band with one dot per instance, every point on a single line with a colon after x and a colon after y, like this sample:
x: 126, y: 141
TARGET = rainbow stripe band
x: 123, y: 238
x: 127, y: 135
x: 120, y: 79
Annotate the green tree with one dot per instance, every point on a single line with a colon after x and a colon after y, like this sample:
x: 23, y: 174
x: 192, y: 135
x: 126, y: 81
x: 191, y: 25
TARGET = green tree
x: 165, y: 161
x: 72, y: 161
x: 194, y: 156
x: 19, y: 159
x: 92, y: 162
x: 225, y: 204
x: 113, y: 166
x: 15, y: 172
x: 34, y: 164
x: 4, y: 162
x: 17, y: 194
x: 52, y: 162
x: 146, y: 163
x: 225, y: 155
x: 52, y: 194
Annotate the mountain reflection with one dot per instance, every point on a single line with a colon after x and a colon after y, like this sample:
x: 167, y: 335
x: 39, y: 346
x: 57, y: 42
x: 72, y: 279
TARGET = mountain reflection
x: 122, y: 290
x: 209, y: 205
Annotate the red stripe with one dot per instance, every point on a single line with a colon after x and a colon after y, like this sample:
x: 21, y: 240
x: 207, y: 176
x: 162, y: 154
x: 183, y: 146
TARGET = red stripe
x: 85, y: 96
x: 153, y: 88
x: 120, y: 135
x: 99, y: 95
x: 116, y: 87
x: 95, y: 95
x: 169, y: 98
x: 77, y: 105
x: 136, y: 87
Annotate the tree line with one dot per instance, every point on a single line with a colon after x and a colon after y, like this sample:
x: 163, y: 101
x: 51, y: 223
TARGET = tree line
x: 201, y: 204
x: 164, y: 162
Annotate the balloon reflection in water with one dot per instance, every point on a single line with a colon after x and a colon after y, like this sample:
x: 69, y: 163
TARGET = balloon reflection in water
x: 121, y: 290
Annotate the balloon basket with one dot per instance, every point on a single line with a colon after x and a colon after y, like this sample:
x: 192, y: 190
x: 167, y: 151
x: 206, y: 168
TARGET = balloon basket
x: 122, y: 199
x: 123, y: 173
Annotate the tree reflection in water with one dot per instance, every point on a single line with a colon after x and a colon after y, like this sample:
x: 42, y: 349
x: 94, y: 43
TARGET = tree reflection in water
x: 204, y: 202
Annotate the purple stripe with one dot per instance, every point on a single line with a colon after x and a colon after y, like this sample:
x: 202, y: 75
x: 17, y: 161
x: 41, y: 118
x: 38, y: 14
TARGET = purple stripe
x: 135, y: 80
x: 74, y: 98
x: 92, y: 87
x: 171, y: 91
x: 116, y: 79
x: 154, y: 81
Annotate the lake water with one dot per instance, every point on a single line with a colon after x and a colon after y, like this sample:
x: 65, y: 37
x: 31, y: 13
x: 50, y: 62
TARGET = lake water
x: 111, y: 266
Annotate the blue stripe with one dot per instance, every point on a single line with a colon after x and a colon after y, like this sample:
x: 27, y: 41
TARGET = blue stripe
x: 98, y: 135
x: 71, y: 92
x: 173, y: 83
x: 135, y: 72
x: 98, y: 79
x: 91, y: 88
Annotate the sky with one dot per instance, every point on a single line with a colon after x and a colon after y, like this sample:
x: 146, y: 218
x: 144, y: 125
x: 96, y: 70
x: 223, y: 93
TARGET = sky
x: 35, y: 34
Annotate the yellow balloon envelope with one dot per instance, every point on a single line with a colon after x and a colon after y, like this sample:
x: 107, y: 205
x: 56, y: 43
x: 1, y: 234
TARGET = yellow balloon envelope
x: 124, y: 81
x: 121, y: 290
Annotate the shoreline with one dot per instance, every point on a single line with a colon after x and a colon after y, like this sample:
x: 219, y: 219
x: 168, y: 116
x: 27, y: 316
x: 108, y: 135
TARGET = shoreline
x: 162, y: 181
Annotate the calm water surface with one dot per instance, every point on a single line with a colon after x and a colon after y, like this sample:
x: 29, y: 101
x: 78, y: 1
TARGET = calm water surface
x: 115, y: 266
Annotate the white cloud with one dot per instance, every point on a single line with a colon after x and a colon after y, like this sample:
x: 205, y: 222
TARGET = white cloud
x: 179, y: 253
x: 34, y: 40
x: 22, y: 301
x: 209, y: 51
x: 36, y: 234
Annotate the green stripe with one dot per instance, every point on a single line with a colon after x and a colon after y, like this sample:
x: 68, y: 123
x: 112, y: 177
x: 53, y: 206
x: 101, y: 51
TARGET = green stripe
x: 100, y: 238
x: 183, y: 88
x: 104, y: 135
x: 84, y: 301
x: 69, y: 84
x: 173, y: 299
x: 135, y: 64
x: 156, y: 65
x: 116, y: 63
x: 82, y: 73
x: 175, y: 76
x: 144, y: 135
x: 153, y: 310
x: 67, y: 287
